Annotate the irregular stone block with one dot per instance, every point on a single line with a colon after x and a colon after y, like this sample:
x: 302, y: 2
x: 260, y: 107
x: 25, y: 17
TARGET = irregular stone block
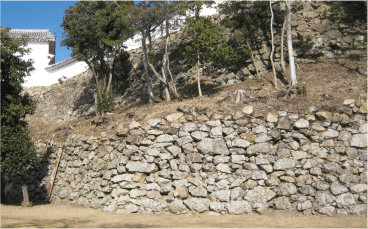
x: 284, y: 164
x: 141, y: 167
x: 239, y: 207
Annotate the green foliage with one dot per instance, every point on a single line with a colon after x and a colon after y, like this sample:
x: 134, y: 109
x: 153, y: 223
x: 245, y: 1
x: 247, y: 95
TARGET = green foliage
x: 336, y: 12
x: 296, y: 7
x: 246, y: 25
x: 105, y: 103
x: 207, y: 42
x: 18, y: 153
x: 96, y: 33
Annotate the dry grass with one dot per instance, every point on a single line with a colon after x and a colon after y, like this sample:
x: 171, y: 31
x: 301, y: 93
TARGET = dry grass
x: 323, y: 83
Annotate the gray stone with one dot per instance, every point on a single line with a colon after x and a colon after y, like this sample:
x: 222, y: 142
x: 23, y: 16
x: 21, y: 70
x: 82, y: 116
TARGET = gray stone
x: 154, y: 122
x: 141, y: 167
x: 130, y: 208
x: 214, y: 123
x: 284, y: 123
x: 307, y: 190
x: 223, y: 195
x: 328, y: 210
x: 190, y: 127
x: 199, y: 135
x: 337, y: 188
x: 240, y: 143
x: 298, y: 155
x: 260, y: 195
x: 304, y: 205
x: 301, y: 124
x: 330, y: 167
x: 198, y: 204
x: 284, y: 164
x: 122, y: 177
x: 154, y: 152
x: 174, y: 150
x: 109, y: 208
x: 323, y: 199
x: 358, y: 188
x: 218, y: 206
x: 223, y: 168
x: 259, y: 175
x: 286, y: 189
x: 177, y: 206
x: 259, y: 148
x: 164, y: 138
x: 237, y: 159
x: 174, y: 117
x: 358, y: 209
x: 263, y: 138
x: 344, y: 200
x: 198, y: 191
x: 239, y: 207
x: 282, y: 203
x: 359, y: 141
x: 330, y: 133
x: 216, y: 131
x: 321, y: 185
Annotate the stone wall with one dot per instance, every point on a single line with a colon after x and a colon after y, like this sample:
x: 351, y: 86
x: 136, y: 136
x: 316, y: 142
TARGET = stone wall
x: 215, y: 162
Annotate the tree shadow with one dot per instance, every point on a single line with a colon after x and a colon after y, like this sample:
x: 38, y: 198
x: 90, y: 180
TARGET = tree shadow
x: 37, y: 191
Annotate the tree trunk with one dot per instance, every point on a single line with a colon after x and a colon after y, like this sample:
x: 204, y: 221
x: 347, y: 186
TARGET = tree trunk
x: 148, y: 80
x: 253, y: 60
x: 111, y: 69
x: 290, y: 48
x: 273, y: 48
x: 25, y: 202
x: 3, y: 198
x: 282, y: 46
x: 199, y: 83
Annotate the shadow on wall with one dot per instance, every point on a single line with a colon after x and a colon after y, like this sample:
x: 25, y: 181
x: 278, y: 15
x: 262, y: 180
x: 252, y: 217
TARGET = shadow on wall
x: 37, y: 189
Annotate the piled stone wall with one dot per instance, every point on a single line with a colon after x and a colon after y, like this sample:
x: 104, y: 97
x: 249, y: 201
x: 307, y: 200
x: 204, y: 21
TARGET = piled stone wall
x: 223, y: 162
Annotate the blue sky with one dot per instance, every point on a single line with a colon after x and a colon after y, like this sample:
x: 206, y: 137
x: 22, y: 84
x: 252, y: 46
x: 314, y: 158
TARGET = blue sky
x: 37, y: 15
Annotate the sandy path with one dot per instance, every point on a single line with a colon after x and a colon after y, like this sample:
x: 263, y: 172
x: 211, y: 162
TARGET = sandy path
x: 75, y: 216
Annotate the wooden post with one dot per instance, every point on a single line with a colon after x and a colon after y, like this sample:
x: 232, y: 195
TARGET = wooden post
x: 53, y: 175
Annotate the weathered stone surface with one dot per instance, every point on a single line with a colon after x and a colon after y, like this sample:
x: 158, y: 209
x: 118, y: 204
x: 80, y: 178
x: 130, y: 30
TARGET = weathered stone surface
x: 337, y: 188
x: 239, y: 207
x: 271, y: 118
x: 248, y: 110
x: 286, y: 189
x: 301, y: 124
x: 344, y: 200
x: 199, y: 135
x: 122, y: 177
x: 130, y: 208
x: 198, y: 204
x: 282, y: 203
x: 284, y: 123
x: 284, y: 164
x: 174, y: 117
x: 134, y: 125
x: 259, y: 148
x: 240, y: 143
x: 359, y: 141
x: 223, y: 195
x: 259, y: 175
x: 218, y: 206
x: 177, y: 206
x: 328, y: 210
x: 260, y: 195
x: 154, y: 122
x: 141, y: 167
x: 223, y: 168
x: 198, y: 191
x: 164, y: 138
x: 358, y: 188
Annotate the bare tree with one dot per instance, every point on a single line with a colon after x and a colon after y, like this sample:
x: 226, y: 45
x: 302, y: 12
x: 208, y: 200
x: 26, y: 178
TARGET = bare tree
x: 273, y: 48
x: 290, y: 46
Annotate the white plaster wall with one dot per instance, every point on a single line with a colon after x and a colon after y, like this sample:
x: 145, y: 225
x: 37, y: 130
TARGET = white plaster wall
x: 41, y: 77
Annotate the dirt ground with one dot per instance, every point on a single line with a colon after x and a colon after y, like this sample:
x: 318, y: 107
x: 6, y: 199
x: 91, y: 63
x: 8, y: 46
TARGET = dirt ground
x: 80, y: 217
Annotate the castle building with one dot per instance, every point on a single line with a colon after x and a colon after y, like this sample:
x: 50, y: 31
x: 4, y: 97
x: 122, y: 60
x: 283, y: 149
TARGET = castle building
x: 42, y: 53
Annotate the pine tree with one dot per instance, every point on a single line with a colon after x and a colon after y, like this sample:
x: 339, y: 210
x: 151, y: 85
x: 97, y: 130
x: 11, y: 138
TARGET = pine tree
x: 207, y: 40
x: 18, y: 153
